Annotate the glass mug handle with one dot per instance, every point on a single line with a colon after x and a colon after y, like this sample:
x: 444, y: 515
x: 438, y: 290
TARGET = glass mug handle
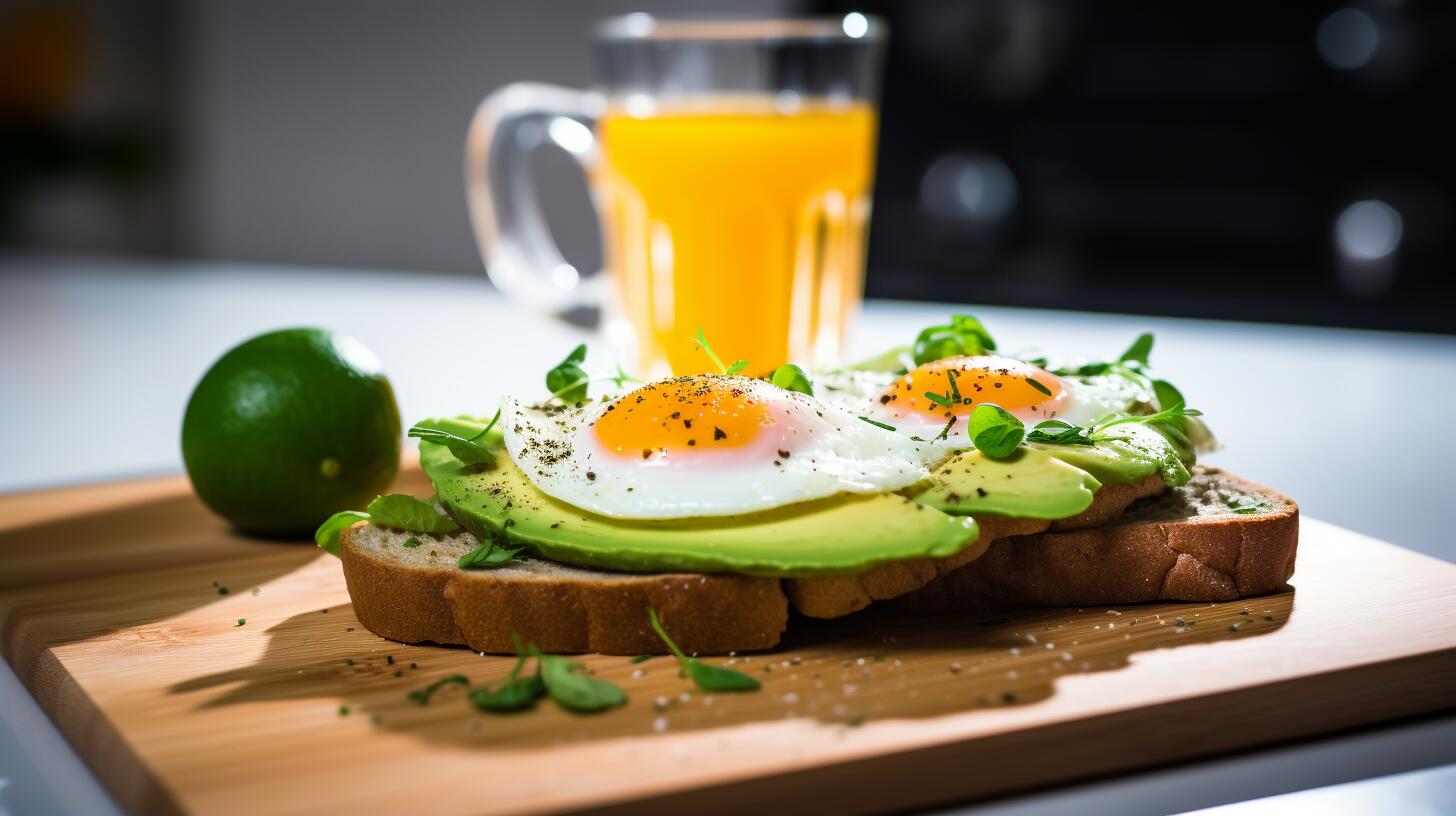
x: 520, y: 256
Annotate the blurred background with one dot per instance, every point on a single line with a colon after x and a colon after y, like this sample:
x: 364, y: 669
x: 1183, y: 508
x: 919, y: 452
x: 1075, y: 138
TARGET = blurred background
x: 1287, y: 162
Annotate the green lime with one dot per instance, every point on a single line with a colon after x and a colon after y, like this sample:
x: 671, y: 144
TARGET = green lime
x: 289, y: 428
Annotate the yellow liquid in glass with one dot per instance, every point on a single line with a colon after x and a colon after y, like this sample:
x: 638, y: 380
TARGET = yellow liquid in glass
x: 740, y: 219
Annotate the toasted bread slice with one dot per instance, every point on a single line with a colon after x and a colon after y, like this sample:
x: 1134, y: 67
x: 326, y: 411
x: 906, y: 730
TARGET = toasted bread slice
x: 836, y: 595
x: 419, y: 593
x: 1186, y: 545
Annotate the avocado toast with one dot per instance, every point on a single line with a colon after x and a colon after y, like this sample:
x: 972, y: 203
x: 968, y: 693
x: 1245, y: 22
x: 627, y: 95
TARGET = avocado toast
x: 720, y: 501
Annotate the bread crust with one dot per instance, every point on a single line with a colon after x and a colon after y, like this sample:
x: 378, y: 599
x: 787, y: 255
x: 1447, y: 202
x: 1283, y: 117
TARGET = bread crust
x: 417, y: 595
x: 1185, y: 546
x: 835, y: 595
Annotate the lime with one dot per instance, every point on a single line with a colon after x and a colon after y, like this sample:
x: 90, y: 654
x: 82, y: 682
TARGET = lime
x: 289, y: 428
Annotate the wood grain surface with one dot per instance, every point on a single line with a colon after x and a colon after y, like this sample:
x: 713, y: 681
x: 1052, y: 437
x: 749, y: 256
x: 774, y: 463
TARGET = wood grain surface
x: 110, y: 615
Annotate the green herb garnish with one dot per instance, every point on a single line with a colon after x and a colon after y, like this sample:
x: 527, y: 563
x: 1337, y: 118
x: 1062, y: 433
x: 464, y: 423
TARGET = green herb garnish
x: 411, y: 542
x: 422, y: 696
x: 1034, y: 383
x: 242, y: 621
x: 640, y: 659
x: 994, y: 431
x: 471, y: 450
x: 877, y: 424
x: 707, y: 676
x: 792, y: 378
x: 488, y: 555
x: 1247, y: 505
x: 945, y: 432
x: 327, y: 535
x: 737, y: 366
x: 963, y: 335
x: 573, y: 690
x: 405, y: 512
x: 1139, y: 351
x: 515, y: 694
x: 568, y: 380
x: 939, y: 399
x: 1057, y: 432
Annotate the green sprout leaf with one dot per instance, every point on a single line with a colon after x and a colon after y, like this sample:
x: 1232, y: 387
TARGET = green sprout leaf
x: 422, y: 696
x: 408, y: 513
x: 327, y: 535
x: 515, y: 694
x: 792, y: 378
x: 573, y: 690
x: 737, y: 366
x: 962, y: 336
x: 994, y: 431
x: 568, y: 381
x: 1057, y: 432
x: 1139, y: 350
x: 707, y: 676
x: 1247, y: 505
x: 470, y: 450
x: 488, y: 555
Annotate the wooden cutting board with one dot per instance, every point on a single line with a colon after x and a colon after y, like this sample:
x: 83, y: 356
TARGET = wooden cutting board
x: 272, y: 699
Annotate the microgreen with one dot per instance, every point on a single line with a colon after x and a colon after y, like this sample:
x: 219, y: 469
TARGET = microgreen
x: 792, y: 378
x: 955, y: 391
x: 707, y: 676
x: 408, y: 513
x: 471, y: 450
x: 939, y: 399
x: 963, y: 335
x: 994, y: 430
x: 737, y: 366
x: 1246, y: 505
x: 945, y: 432
x: 573, y: 690
x: 488, y: 555
x: 422, y: 696
x: 1139, y: 350
x: 567, y: 380
x: 877, y: 424
x: 327, y: 535
x: 515, y: 694
x: 1057, y: 432
x: 1170, y: 417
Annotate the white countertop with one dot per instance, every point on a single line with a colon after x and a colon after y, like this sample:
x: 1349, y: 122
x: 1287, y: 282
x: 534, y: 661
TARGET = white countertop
x: 98, y: 357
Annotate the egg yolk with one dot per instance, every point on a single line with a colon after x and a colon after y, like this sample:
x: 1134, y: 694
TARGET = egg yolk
x: 965, y: 382
x: 684, y: 414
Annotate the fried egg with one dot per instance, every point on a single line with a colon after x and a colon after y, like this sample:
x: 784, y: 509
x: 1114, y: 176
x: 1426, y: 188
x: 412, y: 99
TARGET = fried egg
x: 704, y: 445
x: 932, y: 401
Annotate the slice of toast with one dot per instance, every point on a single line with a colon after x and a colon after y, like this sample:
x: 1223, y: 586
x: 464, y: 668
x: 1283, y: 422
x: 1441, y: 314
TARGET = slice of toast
x: 1186, y: 545
x: 418, y: 594
x: 835, y: 595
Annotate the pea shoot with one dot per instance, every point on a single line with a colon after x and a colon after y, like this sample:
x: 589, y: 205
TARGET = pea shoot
x: 472, y: 450
x: 792, y: 378
x: 964, y: 335
x: 707, y: 676
x: 726, y: 371
x: 994, y: 430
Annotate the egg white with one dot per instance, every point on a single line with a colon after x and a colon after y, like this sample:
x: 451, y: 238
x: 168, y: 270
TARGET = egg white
x: 830, y: 451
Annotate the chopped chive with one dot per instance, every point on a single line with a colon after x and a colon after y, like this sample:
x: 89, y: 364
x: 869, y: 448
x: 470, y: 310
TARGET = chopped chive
x: 939, y: 399
x: 890, y: 428
x: 1038, y: 386
x: 945, y: 432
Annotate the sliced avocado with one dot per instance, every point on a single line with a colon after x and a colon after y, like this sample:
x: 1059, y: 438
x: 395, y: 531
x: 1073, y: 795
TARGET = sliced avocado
x: 842, y: 534
x: 1027, y: 484
x: 1131, y: 453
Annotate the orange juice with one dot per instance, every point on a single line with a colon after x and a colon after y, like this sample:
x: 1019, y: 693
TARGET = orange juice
x: 742, y: 220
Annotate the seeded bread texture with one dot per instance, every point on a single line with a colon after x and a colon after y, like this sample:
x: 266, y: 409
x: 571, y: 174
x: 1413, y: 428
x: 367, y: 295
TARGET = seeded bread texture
x: 420, y: 594
x: 1185, y: 545
x: 836, y: 595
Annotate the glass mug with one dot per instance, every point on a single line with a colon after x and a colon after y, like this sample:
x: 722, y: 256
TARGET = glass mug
x: 730, y: 162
